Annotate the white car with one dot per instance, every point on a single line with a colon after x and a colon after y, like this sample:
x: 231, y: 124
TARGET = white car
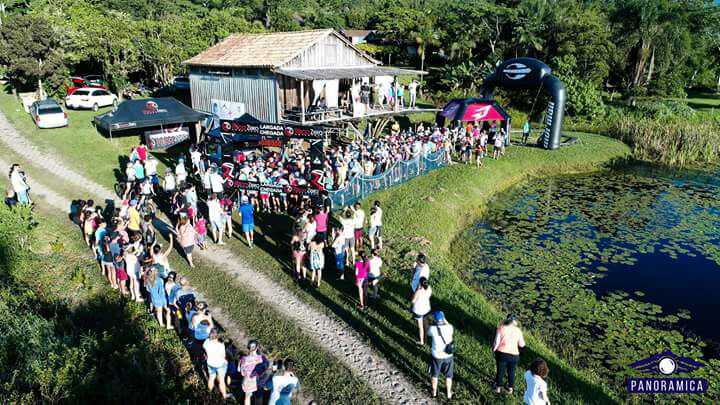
x: 48, y: 114
x: 89, y: 97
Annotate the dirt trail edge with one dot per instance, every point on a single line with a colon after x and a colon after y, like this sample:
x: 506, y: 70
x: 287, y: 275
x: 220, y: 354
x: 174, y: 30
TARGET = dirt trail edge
x: 332, y: 334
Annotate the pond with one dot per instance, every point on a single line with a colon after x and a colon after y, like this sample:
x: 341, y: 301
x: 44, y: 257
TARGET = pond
x: 609, y: 267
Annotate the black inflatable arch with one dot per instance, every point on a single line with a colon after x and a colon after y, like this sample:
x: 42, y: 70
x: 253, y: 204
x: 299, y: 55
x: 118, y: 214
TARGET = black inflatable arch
x: 530, y: 73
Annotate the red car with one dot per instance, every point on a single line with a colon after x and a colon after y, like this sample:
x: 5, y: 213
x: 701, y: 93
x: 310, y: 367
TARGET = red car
x: 79, y: 82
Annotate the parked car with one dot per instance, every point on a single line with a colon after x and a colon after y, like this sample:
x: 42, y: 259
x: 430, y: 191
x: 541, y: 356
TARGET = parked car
x: 48, y: 114
x: 79, y: 83
x: 181, y: 83
x: 95, y: 80
x: 89, y: 97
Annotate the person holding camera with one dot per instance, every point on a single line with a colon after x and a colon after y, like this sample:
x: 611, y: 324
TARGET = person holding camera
x: 443, y: 348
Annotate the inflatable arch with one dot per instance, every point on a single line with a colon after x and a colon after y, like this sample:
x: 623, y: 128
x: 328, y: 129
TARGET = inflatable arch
x: 530, y: 73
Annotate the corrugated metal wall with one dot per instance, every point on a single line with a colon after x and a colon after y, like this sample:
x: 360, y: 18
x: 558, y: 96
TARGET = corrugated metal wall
x: 259, y: 93
x: 330, y: 51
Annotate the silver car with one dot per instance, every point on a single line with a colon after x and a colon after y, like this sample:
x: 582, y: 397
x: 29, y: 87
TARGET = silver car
x: 48, y: 114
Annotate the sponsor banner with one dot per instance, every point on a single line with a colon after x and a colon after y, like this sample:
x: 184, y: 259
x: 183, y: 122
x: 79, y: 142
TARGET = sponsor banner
x: 224, y: 110
x: 274, y: 188
x: 164, y: 140
x: 267, y: 130
x: 481, y: 112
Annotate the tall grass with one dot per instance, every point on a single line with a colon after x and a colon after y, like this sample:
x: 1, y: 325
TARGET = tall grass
x: 675, y: 142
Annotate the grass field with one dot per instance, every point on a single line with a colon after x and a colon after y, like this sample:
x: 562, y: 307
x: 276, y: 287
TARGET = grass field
x: 316, y: 367
x: 702, y: 101
x: 426, y: 214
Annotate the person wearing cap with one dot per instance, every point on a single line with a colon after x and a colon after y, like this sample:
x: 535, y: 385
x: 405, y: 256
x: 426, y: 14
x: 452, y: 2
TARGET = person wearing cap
x: 442, y: 360
x: 247, y: 213
x: 216, y: 363
x: 508, y: 341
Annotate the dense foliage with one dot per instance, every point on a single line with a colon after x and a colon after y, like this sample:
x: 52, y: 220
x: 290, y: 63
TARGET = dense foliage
x: 640, y: 47
x: 68, y: 339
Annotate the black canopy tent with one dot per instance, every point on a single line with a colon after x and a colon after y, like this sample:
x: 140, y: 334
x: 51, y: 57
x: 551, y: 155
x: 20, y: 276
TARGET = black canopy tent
x: 152, y: 112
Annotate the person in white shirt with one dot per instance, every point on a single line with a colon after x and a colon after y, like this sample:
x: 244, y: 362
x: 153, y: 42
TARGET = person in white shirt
x: 536, y: 391
x: 196, y: 160
x: 216, y: 184
x: 169, y: 183
x: 207, y: 185
x: 19, y: 185
x: 180, y: 172
x: 359, y: 230
x: 441, y: 362
x: 151, y: 165
x: 421, y: 270
x: 375, y: 234
x: 374, y: 274
x: 284, y: 383
x: 412, y: 87
x: 216, y: 363
x: 215, y: 216
x: 348, y: 225
x: 421, y: 307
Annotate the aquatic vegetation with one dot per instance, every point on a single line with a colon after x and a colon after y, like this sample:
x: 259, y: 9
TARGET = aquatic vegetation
x: 546, y: 248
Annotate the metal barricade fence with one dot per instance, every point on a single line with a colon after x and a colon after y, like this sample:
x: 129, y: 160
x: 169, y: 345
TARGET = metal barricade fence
x: 361, y: 186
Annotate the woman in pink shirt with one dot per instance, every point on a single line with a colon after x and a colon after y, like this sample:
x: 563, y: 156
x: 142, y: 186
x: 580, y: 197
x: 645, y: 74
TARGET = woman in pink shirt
x: 508, y: 341
x: 362, y: 267
x: 321, y: 219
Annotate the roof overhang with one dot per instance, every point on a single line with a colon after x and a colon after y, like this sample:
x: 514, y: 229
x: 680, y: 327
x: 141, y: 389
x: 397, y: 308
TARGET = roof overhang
x: 330, y: 73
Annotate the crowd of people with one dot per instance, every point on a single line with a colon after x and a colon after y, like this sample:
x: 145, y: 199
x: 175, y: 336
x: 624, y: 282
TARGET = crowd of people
x: 129, y: 254
x: 131, y: 257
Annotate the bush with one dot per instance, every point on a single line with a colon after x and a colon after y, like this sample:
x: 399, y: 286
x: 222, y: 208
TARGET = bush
x: 674, y: 143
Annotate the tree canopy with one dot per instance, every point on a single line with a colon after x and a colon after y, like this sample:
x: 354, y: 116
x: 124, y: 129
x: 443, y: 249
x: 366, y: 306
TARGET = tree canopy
x: 640, y: 47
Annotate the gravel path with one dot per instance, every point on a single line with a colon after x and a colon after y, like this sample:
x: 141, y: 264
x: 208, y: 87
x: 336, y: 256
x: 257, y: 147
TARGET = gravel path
x: 332, y: 334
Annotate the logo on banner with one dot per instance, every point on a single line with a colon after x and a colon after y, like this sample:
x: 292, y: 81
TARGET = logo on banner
x: 481, y: 113
x: 516, y: 71
x: 666, y: 364
x: 151, y: 107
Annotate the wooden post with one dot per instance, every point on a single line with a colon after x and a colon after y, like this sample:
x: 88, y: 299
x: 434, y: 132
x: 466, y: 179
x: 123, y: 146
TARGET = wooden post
x: 302, y: 102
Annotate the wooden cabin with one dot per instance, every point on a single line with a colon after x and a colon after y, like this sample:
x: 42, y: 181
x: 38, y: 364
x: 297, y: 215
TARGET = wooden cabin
x: 309, y: 77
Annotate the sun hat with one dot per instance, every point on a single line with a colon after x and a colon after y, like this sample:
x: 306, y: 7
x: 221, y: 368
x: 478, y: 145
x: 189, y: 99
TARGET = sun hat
x: 133, y: 203
x: 244, y: 199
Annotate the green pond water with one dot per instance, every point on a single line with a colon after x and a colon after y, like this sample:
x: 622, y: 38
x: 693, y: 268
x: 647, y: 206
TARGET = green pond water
x: 608, y: 268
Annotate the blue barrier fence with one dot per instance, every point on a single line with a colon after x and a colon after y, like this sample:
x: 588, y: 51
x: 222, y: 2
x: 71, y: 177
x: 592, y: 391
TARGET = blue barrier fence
x: 361, y: 186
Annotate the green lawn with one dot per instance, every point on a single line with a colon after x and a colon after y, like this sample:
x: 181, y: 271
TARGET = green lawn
x: 425, y: 214
x: 703, y: 101
x: 316, y: 367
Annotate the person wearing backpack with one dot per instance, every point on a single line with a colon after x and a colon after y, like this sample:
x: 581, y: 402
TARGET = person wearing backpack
x: 443, y: 348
